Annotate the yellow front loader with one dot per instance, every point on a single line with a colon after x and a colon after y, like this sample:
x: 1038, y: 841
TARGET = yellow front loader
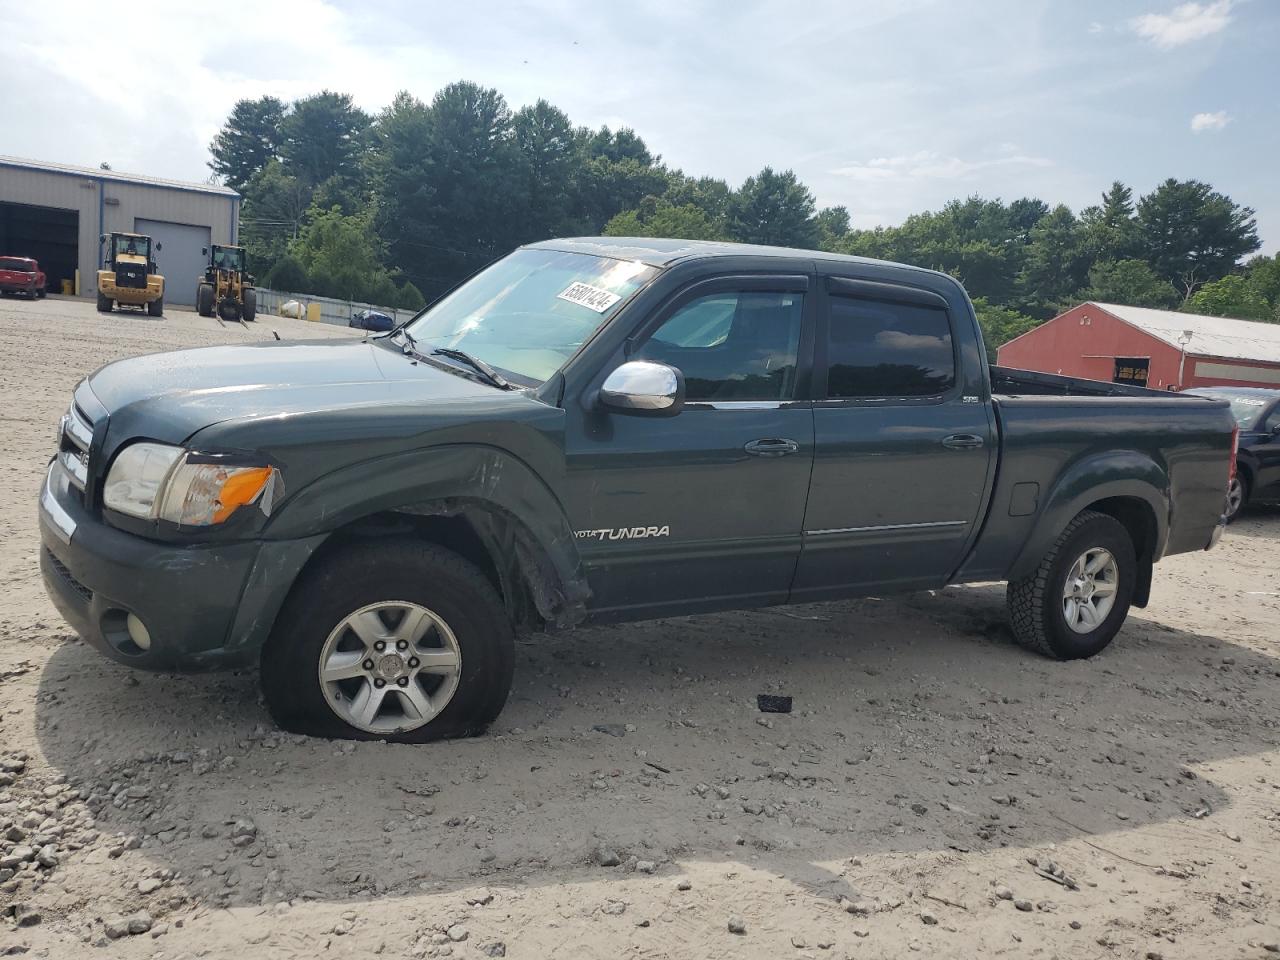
x: 226, y: 290
x: 128, y: 277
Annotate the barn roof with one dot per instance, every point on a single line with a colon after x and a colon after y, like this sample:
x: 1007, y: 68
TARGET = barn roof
x: 46, y: 166
x: 1210, y: 336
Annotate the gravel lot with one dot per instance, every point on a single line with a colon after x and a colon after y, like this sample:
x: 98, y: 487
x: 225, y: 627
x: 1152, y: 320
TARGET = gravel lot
x: 937, y: 789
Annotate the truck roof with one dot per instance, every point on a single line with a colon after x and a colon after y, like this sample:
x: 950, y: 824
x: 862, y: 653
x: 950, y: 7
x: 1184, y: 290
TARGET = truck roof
x: 661, y: 252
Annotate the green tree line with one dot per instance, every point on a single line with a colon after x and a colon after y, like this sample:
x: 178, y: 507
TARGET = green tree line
x: 397, y: 207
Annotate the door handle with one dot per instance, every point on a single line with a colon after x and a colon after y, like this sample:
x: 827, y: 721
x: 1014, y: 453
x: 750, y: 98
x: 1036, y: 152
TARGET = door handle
x: 772, y: 447
x: 961, y: 441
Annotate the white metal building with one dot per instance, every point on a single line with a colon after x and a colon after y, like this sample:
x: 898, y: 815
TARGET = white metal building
x: 57, y: 213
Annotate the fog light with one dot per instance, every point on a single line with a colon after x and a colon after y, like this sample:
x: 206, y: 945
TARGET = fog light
x: 138, y: 632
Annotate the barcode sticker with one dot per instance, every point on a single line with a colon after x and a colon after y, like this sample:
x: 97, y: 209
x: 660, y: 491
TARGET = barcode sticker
x: 593, y: 298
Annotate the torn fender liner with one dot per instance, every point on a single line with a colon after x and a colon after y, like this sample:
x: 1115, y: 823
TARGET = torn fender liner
x: 553, y: 576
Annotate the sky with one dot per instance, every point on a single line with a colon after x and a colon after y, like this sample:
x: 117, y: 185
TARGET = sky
x: 889, y: 107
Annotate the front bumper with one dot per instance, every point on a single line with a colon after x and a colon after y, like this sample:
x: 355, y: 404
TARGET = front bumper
x: 206, y: 607
x: 134, y: 296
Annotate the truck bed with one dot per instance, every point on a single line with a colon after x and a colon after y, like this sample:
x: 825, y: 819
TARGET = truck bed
x: 1011, y: 382
x: 1088, y: 435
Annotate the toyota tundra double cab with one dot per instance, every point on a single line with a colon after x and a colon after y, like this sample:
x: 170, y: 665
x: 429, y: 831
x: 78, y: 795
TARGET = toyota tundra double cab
x: 596, y: 430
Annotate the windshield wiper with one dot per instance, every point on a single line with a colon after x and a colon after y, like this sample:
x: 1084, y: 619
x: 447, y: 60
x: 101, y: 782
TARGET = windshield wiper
x: 490, y: 374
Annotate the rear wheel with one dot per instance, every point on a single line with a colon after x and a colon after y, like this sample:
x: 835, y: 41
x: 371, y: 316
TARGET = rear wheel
x: 1076, y: 600
x: 104, y: 304
x: 204, y: 299
x: 394, y: 640
x: 250, y: 304
x: 42, y: 292
x: 1238, y: 495
x: 156, y: 308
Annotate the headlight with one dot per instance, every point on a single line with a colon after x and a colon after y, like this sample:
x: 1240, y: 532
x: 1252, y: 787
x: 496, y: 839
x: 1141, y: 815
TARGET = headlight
x: 134, y: 482
x: 156, y: 481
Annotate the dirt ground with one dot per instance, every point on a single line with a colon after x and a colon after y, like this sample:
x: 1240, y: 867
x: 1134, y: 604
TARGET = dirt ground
x: 937, y: 790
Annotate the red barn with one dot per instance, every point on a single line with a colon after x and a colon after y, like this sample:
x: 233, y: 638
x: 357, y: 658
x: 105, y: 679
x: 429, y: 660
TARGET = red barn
x: 1161, y: 349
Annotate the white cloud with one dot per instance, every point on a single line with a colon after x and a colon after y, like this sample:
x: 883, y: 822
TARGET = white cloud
x: 1096, y: 27
x: 1209, y: 121
x: 927, y: 165
x: 1183, y: 24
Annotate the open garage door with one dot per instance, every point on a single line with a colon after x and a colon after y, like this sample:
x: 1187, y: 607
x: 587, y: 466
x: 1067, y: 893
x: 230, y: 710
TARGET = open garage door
x: 49, y: 234
x: 179, y: 260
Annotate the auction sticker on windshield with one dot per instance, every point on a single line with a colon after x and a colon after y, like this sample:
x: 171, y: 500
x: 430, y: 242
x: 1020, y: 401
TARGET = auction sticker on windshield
x: 593, y: 298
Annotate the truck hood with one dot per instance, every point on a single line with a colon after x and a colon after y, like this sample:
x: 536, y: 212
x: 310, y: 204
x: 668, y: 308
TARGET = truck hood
x: 170, y: 396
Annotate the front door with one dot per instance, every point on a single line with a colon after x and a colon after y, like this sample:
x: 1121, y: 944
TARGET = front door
x: 1267, y: 450
x: 903, y: 452
x: 702, y: 510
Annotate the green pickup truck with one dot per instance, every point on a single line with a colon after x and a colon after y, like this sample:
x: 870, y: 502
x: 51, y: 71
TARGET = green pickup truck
x: 596, y: 430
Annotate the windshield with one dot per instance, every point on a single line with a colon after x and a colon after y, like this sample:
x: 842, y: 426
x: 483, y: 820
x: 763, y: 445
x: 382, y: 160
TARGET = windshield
x: 13, y: 263
x: 228, y: 258
x: 1244, y: 409
x: 133, y: 246
x: 531, y: 311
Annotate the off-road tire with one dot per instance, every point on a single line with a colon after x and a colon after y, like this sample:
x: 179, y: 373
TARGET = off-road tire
x: 250, y: 311
x: 373, y: 572
x: 204, y: 299
x: 104, y: 304
x: 1035, y: 601
x: 156, y: 308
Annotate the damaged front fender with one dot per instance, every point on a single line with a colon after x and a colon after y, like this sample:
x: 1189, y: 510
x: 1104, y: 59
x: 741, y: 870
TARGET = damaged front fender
x: 515, y: 513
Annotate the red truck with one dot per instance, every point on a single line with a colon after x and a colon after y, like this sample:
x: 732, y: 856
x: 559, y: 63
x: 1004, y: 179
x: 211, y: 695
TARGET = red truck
x: 21, y: 275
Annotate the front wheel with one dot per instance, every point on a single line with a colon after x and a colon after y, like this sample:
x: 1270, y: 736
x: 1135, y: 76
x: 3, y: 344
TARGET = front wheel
x: 390, y: 640
x: 204, y: 299
x: 250, y: 304
x: 156, y: 308
x: 1075, y: 601
x: 104, y: 304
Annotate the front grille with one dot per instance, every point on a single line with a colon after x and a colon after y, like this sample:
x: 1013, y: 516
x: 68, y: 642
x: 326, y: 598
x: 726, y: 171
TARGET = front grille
x: 74, y: 440
x: 131, y: 277
x: 61, y: 570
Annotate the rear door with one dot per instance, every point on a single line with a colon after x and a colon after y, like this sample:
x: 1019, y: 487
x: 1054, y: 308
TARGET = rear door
x: 903, y: 444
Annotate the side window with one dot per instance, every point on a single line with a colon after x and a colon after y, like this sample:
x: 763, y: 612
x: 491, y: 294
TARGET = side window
x: 879, y: 349
x: 1273, y: 421
x: 732, y: 346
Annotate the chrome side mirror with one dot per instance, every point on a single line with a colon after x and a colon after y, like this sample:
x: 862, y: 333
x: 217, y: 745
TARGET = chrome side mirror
x: 645, y: 387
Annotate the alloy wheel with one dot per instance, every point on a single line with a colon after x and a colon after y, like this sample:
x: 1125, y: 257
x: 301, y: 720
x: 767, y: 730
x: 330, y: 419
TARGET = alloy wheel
x: 1090, y: 590
x: 390, y: 667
